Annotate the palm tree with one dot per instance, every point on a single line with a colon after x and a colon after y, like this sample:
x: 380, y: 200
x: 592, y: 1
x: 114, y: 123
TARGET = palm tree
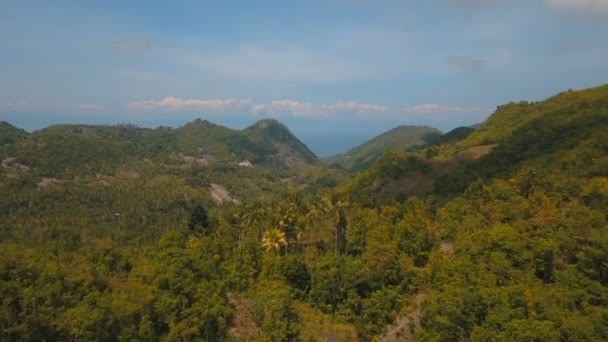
x: 311, y: 219
x: 288, y: 220
x: 334, y: 207
x: 254, y: 217
x: 237, y: 223
x: 274, y: 239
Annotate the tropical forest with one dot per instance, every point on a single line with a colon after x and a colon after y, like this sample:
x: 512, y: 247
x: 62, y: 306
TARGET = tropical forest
x: 497, y: 232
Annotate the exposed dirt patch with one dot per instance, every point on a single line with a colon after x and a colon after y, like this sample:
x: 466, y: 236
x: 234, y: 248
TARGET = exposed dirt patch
x: 102, y: 180
x: 11, y: 169
x: 11, y: 165
x: 126, y: 173
x: 188, y: 159
x: 243, y: 325
x: 220, y: 195
x: 245, y: 163
x: 406, y: 324
x: 447, y: 248
x: 476, y: 152
x: 45, y: 182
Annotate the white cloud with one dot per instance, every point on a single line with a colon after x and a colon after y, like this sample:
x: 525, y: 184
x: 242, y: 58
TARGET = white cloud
x: 176, y: 103
x: 285, y: 106
x: 356, y: 107
x: 593, y: 7
x: 274, y: 108
x: 306, y: 109
x: 432, y: 108
x: 87, y: 106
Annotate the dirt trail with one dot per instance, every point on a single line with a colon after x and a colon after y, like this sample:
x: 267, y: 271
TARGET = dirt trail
x: 243, y: 326
x: 476, y: 152
x: 407, y: 323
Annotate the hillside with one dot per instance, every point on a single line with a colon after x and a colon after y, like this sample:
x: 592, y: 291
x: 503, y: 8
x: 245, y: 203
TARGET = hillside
x: 280, y: 134
x: 399, y: 138
x: 199, y: 162
x: 547, y: 134
x: 9, y: 135
x: 81, y: 148
x: 453, y: 136
x: 495, y: 234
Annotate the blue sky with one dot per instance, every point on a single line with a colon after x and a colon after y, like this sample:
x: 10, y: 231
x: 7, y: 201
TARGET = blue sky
x: 335, y: 71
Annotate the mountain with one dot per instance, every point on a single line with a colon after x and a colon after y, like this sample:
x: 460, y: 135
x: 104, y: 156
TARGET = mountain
x: 278, y: 132
x: 547, y: 134
x: 243, y: 163
x: 10, y: 134
x: 59, y: 149
x: 400, y: 138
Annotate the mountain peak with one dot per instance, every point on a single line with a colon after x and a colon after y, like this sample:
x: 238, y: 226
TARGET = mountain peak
x: 265, y: 124
x: 277, y: 131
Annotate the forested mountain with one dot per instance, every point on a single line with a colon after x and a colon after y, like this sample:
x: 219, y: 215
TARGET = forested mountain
x: 548, y: 135
x: 399, y: 138
x: 251, y: 162
x: 202, y: 142
x: 281, y: 134
x: 10, y: 134
x: 496, y: 234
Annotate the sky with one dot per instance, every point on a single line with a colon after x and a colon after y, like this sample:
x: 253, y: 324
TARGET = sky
x: 336, y: 72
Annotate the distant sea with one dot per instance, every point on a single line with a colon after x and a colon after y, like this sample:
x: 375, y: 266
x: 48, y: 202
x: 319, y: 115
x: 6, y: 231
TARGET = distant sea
x: 326, y: 144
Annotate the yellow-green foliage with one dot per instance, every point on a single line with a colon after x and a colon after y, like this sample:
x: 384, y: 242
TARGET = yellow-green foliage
x: 514, y: 249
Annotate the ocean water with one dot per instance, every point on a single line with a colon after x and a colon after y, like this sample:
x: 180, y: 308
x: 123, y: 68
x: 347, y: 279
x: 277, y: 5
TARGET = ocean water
x: 327, y: 143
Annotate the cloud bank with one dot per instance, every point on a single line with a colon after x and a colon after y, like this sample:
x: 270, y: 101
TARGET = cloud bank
x: 432, y: 108
x: 274, y: 108
x: 176, y: 103
x: 292, y: 108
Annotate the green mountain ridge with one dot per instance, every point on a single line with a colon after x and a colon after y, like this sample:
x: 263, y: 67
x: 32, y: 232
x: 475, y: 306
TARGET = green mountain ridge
x: 564, y: 132
x: 97, y: 145
x: 399, y: 138
x: 542, y: 134
x: 247, y: 163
